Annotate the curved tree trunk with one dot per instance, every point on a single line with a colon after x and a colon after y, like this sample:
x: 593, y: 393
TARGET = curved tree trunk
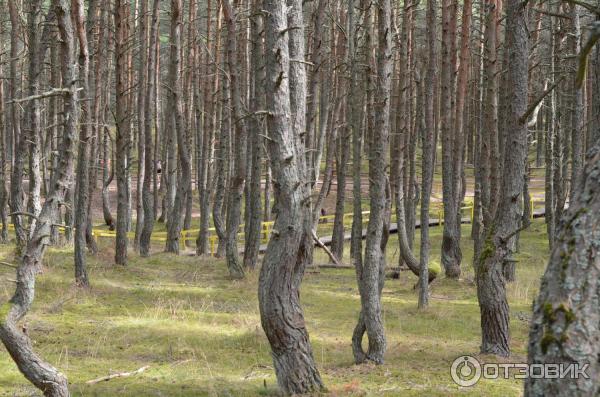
x: 285, y: 258
x: 43, y: 375
x: 491, y: 288
x: 371, y: 275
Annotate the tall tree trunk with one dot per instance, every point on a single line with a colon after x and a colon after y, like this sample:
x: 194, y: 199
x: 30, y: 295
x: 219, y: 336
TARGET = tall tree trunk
x: 16, y: 185
x: 257, y: 100
x: 174, y: 225
x: 491, y: 289
x: 149, y: 161
x: 238, y: 174
x: 371, y: 275
x: 43, y: 375
x: 84, y: 152
x: 123, y: 127
x: 285, y: 261
x: 451, y: 252
x: 565, y: 323
x: 142, y: 83
x: 4, y: 135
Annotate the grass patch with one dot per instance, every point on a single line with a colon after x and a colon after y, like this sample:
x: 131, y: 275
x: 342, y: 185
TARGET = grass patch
x: 200, y: 332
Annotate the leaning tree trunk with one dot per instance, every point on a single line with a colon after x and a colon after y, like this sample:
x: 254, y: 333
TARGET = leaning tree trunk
x: 43, y: 375
x: 284, y: 261
x: 565, y: 327
x: 491, y: 288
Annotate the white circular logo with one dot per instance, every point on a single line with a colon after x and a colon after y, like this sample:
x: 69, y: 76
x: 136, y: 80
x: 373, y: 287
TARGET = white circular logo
x: 465, y: 371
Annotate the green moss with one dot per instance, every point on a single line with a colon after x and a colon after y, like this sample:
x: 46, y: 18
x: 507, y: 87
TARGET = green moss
x: 549, y: 312
x: 435, y: 268
x: 568, y: 313
x: 547, y: 340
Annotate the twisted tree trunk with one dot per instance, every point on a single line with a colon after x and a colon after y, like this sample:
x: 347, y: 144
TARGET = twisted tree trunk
x: 285, y: 258
x: 43, y: 375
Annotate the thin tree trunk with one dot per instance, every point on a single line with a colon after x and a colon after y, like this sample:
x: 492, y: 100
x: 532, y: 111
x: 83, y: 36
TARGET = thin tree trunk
x: 238, y: 174
x: 84, y: 152
x: 149, y: 162
x: 371, y: 275
x: 174, y: 225
x: 257, y: 95
x: 123, y: 127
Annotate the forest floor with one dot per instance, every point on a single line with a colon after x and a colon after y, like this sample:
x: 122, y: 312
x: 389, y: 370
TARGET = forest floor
x: 200, y: 332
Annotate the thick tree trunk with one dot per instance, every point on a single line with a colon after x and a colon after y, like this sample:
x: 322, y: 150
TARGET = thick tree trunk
x: 491, y: 289
x: 284, y: 262
x: 43, y: 375
x: 566, y: 317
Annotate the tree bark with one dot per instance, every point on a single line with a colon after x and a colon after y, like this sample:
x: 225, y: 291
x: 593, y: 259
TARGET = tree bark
x: 123, y: 127
x: 491, y: 289
x: 149, y: 161
x: 174, y: 226
x: 43, y: 375
x: 284, y: 261
x: 565, y: 323
x: 257, y: 95
x: 238, y: 174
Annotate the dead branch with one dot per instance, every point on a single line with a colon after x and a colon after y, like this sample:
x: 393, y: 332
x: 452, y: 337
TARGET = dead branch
x: 117, y: 375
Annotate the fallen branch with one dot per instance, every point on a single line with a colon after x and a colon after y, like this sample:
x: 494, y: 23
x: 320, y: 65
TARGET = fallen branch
x: 8, y: 265
x: 117, y: 375
x: 327, y: 251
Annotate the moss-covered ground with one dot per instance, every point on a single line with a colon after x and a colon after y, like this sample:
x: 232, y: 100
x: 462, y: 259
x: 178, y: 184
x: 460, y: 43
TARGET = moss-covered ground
x: 200, y: 332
